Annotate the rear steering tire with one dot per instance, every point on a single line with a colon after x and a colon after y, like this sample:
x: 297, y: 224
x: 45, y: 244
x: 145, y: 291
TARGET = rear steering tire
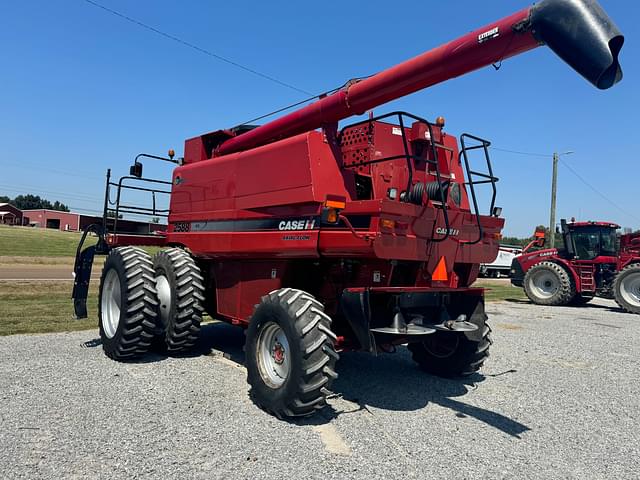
x: 290, y: 354
x: 127, y: 306
x: 547, y: 283
x: 181, y: 297
x: 452, y: 354
x: 626, y: 288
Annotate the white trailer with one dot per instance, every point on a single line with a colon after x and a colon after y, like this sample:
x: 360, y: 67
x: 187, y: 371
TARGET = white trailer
x: 502, y: 264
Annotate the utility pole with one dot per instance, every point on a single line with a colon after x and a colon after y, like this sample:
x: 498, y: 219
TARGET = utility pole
x: 552, y: 216
x: 554, y: 186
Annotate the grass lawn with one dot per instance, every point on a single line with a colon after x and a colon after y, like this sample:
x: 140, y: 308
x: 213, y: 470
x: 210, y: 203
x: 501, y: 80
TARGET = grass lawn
x: 42, y: 246
x: 497, y: 292
x: 40, y: 307
x: 38, y: 242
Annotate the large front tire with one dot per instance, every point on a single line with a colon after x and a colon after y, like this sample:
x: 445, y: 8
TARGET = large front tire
x: 290, y: 354
x: 626, y: 288
x: 452, y: 354
x: 548, y: 283
x: 181, y: 296
x: 127, y: 307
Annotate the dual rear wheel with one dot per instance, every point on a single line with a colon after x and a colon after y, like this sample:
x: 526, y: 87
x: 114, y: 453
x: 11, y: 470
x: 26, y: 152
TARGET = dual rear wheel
x: 145, y: 301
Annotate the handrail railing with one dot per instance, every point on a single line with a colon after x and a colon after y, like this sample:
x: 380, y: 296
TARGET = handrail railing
x: 114, y: 209
x: 472, y: 182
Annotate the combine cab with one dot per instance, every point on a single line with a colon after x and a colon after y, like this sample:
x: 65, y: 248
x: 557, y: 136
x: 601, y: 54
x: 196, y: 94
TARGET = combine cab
x: 319, y: 238
x: 594, y: 262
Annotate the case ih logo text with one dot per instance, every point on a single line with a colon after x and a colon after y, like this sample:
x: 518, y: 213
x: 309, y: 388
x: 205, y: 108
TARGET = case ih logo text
x: 453, y: 232
x: 488, y: 35
x: 297, y: 224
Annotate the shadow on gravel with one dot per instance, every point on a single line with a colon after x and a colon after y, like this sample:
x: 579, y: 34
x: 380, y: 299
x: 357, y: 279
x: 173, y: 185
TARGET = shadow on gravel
x: 221, y: 337
x: 388, y: 382
x: 394, y: 382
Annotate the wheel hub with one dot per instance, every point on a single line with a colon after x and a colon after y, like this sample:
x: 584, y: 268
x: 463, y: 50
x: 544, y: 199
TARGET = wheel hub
x: 278, y: 353
x: 110, y: 302
x: 164, y: 296
x: 272, y: 352
x: 545, y: 284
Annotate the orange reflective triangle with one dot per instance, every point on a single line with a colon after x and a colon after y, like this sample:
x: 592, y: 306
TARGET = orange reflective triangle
x: 440, y: 273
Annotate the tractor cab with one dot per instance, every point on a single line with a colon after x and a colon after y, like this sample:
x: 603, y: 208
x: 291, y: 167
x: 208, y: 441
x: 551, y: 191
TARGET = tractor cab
x: 590, y: 240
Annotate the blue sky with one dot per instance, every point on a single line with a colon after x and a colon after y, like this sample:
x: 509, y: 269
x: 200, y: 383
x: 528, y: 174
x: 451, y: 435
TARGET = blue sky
x: 82, y: 90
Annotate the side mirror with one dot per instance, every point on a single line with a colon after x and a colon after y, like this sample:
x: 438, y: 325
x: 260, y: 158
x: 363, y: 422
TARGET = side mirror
x: 136, y: 170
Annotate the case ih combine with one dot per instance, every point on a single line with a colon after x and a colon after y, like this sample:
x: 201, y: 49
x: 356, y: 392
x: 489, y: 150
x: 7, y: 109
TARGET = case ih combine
x: 318, y: 238
x: 594, y: 262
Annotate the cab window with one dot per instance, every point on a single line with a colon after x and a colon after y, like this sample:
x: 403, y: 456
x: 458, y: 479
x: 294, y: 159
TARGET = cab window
x: 591, y: 242
x: 587, y: 243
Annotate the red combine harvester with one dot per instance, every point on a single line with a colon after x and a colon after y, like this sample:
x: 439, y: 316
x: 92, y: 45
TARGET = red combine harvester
x: 319, y: 239
x: 593, y: 263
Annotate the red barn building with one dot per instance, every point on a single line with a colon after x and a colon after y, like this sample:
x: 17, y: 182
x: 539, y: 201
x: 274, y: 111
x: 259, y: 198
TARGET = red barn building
x: 10, y: 215
x: 45, y: 218
x: 69, y: 221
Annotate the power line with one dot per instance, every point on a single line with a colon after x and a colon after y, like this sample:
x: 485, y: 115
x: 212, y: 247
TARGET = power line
x: 530, y: 154
x: 20, y: 189
x: 602, y: 195
x: 195, y: 47
x: 288, y: 107
x: 31, y: 166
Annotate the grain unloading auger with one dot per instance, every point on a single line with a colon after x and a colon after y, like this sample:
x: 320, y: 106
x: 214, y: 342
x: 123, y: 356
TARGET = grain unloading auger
x: 320, y: 239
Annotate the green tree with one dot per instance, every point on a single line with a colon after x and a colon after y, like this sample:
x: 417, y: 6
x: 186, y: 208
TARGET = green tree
x: 32, y: 202
x: 60, y: 206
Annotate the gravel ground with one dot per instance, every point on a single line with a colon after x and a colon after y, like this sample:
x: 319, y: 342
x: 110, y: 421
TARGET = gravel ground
x: 559, y: 398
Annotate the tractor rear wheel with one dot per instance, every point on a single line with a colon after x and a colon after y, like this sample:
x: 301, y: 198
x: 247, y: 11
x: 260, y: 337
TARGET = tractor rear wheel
x: 127, y: 307
x: 290, y: 354
x: 626, y: 288
x: 548, y: 283
x: 181, y: 296
x: 452, y: 354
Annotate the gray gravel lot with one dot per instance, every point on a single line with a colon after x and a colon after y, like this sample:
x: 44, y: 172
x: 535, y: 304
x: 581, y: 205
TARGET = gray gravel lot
x: 559, y: 398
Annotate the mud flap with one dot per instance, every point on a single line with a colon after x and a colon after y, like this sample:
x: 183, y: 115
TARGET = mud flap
x: 82, y: 277
x: 82, y: 269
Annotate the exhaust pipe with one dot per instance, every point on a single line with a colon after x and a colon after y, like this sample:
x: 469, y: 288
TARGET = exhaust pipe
x: 583, y: 35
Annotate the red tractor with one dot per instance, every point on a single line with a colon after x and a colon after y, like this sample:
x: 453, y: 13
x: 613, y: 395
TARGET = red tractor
x: 318, y: 238
x: 594, y: 262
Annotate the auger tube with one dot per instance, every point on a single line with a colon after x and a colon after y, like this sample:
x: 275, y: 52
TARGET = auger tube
x: 578, y: 31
